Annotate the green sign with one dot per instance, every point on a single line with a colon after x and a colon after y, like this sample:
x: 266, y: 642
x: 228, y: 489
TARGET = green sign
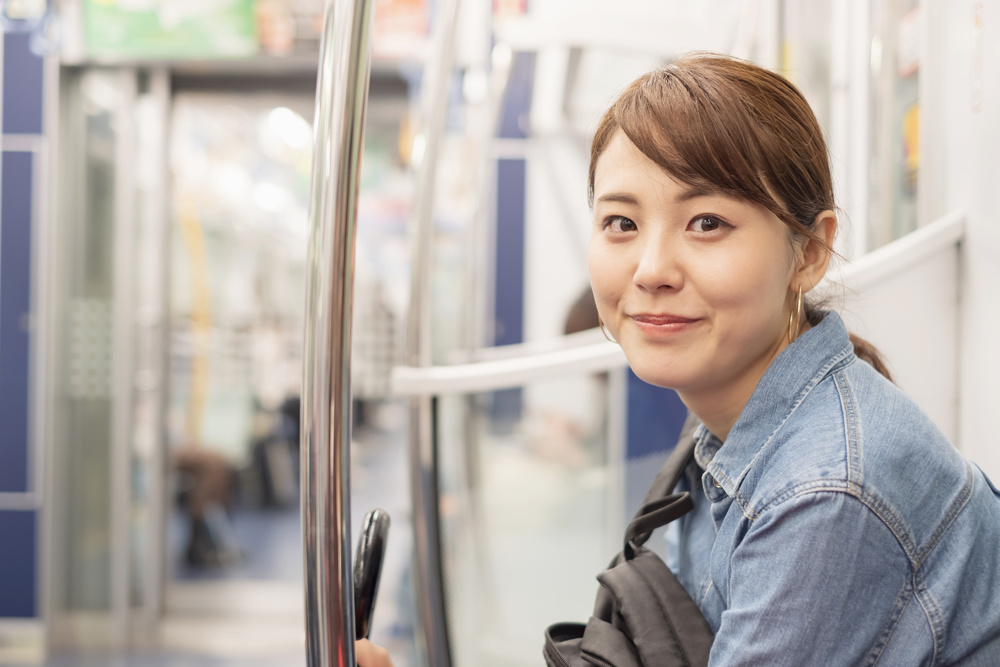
x: 170, y: 29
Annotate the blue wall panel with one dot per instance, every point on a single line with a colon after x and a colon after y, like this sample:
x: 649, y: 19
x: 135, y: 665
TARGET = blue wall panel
x: 509, y: 297
x: 15, y: 307
x: 23, y: 77
x: 509, y: 294
x: 17, y: 564
x: 655, y: 418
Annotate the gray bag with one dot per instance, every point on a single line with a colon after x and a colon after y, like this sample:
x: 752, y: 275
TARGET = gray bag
x: 643, y: 616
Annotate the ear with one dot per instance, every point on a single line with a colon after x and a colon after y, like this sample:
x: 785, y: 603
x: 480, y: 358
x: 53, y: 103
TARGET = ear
x: 814, y: 257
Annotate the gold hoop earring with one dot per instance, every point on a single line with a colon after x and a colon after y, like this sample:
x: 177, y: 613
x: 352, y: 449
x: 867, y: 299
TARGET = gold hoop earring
x: 604, y: 330
x: 795, y: 319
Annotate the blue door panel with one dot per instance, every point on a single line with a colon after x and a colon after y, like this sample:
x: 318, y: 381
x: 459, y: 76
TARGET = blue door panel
x: 15, y: 309
x: 17, y: 564
x: 655, y: 418
x: 23, y: 76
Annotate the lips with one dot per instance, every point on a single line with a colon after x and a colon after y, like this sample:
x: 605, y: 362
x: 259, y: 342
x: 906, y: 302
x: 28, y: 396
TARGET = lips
x: 662, y: 319
x: 663, y: 325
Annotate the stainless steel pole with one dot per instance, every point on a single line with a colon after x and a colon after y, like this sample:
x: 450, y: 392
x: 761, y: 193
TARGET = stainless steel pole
x: 341, y: 96
x: 423, y: 438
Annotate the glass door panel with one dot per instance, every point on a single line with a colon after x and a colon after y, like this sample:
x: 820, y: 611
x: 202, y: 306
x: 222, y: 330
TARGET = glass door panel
x: 89, y: 573
x: 530, y: 512
x: 897, y: 49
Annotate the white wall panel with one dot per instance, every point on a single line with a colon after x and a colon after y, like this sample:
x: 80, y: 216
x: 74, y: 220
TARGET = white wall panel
x: 912, y: 318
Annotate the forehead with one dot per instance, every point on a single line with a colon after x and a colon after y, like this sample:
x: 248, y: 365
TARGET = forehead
x: 623, y: 171
x: 621, y: 163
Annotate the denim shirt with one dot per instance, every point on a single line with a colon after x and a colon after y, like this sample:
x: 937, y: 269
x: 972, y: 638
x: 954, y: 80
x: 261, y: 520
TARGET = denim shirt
x: 837, y: 526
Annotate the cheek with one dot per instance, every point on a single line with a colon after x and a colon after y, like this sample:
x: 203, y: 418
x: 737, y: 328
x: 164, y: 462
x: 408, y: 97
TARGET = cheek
x: 750, y: 285
x: 601, y: 268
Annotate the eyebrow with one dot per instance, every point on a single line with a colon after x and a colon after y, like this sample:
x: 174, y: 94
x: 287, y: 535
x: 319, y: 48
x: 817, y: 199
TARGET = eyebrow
x: 628, y: 198
x: 618, y: 197
x: 695, y: 192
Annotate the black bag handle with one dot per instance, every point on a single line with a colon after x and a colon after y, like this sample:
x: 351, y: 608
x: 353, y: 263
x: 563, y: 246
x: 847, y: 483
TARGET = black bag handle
x: 673, y: 468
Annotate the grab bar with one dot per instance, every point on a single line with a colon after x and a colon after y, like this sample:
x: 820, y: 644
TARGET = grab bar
x: 908, y: 251
x: 429, y: 578
x: 341, y: 97
x: 505, y: 373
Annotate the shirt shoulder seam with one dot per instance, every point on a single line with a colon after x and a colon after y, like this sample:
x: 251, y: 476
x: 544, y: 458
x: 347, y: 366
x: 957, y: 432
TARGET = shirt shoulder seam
x: 870, y: 501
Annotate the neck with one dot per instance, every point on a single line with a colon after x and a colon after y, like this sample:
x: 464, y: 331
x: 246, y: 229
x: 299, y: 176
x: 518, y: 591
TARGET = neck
x: 718, y: 407
x: 717, y: 413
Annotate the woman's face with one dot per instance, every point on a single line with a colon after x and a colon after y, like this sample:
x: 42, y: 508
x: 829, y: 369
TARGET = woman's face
x: 694, y: 285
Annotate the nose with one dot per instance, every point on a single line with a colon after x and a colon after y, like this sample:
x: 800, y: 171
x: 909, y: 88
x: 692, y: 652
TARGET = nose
x: 659, y: 265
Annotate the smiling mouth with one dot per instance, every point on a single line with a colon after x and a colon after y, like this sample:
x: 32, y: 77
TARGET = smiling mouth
x: 661, y: 320
x: 662, y: 324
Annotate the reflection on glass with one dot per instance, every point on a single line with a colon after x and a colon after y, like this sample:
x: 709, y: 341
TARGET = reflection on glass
x: 528, y: 514
x: 806, y: 53
x: 85, y: 376
x: 896, y: 50
x: 240, y: 169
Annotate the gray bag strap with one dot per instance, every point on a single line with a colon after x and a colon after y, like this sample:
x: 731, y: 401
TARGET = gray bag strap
x: 675, y: 464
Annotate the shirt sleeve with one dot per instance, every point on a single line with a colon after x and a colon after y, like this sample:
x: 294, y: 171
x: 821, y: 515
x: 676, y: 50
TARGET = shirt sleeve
x: 815, y: 581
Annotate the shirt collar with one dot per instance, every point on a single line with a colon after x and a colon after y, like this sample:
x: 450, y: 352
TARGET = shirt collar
x: 785, y: 384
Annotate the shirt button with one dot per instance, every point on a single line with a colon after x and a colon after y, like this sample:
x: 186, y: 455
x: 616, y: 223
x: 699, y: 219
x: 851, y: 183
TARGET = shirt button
x: 716, y: 483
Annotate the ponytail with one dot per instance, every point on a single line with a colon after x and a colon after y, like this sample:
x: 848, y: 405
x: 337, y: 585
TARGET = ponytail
x: 868, y: 352
x: 864, y: 350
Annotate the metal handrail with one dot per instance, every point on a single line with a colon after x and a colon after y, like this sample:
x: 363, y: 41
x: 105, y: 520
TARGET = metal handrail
x: 893, y: 258
x: 341, y: 98
x: 532, y: 347
x: 429, y: 577
x: 505, y: 373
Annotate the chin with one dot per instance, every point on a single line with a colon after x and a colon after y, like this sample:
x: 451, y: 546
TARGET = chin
x: 656, y: 375
x: 656, y: 365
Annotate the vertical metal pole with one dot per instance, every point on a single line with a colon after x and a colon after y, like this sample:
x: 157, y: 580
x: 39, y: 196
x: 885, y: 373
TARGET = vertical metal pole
x: 423, y: 438
x: 341, y: 96
x: 154, y: 574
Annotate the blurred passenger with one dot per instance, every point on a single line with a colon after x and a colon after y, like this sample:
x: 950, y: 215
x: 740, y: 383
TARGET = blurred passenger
x: 210, y: 542
x: 833, y: 523
x: 275, y: 454
x: 582, y: 314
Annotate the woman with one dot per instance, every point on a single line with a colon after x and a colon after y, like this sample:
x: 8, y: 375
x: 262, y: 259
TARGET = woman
x: 833, y: 523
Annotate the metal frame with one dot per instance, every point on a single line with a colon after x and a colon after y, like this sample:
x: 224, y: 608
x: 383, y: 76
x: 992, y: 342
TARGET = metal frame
x: 123, y: 403
x: 153, y: 331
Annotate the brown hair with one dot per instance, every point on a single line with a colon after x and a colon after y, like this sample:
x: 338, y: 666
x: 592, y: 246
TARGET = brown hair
x: 728, y: 126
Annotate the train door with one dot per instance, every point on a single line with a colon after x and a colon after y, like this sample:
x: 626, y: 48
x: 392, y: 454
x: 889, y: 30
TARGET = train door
x: 177, y: 299
x: 107, y: 282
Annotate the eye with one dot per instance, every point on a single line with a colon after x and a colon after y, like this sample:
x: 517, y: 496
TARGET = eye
x: 617, y: 223
x: 706, y: 223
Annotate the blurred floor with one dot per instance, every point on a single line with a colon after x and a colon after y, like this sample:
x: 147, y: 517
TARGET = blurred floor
x: 251, y: 614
